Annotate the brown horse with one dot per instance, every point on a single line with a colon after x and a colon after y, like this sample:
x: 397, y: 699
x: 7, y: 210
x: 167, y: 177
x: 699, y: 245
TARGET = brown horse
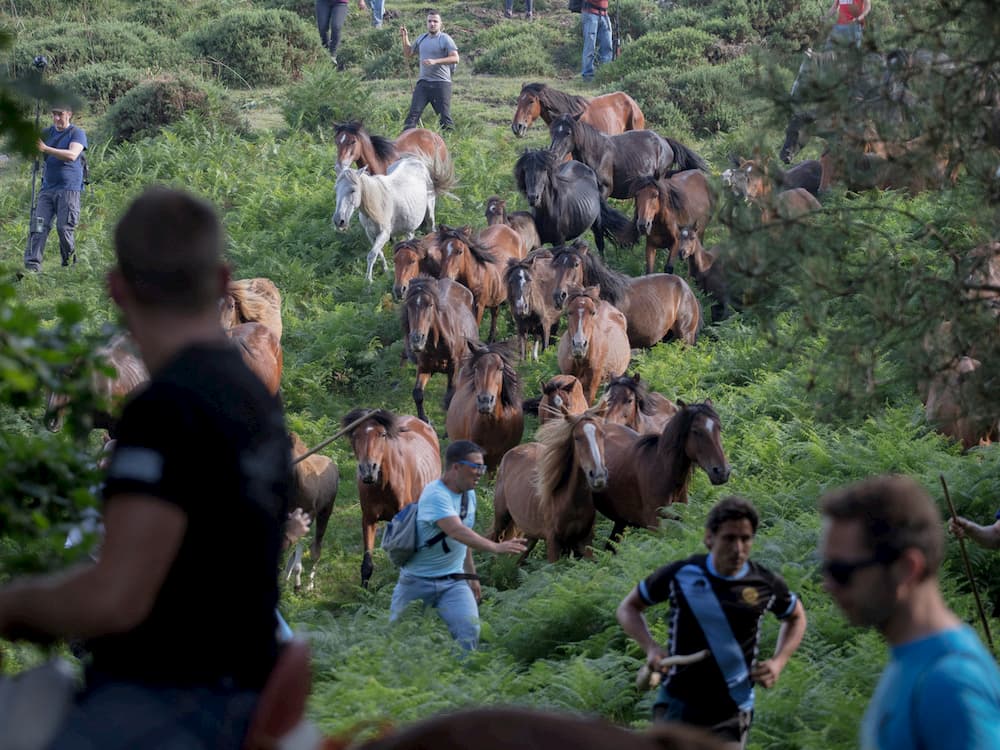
x: 397, y: 456
x: 478, y: 264
x: 317, y: 480
x: 561, y: 395
x: 952, y: 396
x: 252, y: 301
x: 521, y: 222
x: 658, y: 307
x: 529, y: 296
x: 610, y: 113
x: 261, y: 350
x: 750, y: 181
x: 356, y: 146
x: 661, y: 206
x: 120, y: 354
x: 707, y: 270
x: 648, y: 472
x: 806, y: 174
x: 631, y: 403
x: 437, y: 322
x: 544, y: 488
x: 411, y: 258
x: 595, y: 346
x: 486, y: 404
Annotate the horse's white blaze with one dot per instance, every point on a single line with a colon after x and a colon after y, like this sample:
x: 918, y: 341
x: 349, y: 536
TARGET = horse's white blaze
x: 590, y: 430
x: 450, y: 247
x: 710, y: 425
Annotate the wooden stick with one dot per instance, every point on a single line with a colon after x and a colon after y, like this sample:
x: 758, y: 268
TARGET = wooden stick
x: 333, y: 437
x: 968, y: 567
x: 648, y: 679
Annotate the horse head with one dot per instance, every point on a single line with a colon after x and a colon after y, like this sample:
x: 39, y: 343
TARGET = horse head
x: 496, y: 210
x: 529, y: 108
x: 562, y: 394
x: 348, y: 198
x: 420, y: 311
x: 688, y: 242
x: 648, y: 203
x: 369, y: 440
x: 625, y: 398
x: 406, y: 261
x: 582, y: 308
x: 533, y: 175
x: 517, y: 278
x: 703, y: 439
x: 588, y: 446
x: 347, y: 135
x: 493, y: 376
x: 455, y: 244
x: 562, y: 131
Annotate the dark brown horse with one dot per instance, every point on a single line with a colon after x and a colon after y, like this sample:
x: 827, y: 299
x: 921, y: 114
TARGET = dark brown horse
x: 662, y: 206
x: 521, y: 222
x: 619, y: 160
x: 356, y: 146
x: 437, y: 322
x: 543, y: 488
x: 750, y: 181
x: 317, y: 480
x: 610, y: 113
x: 707, y: 270
x: 807, y: 175
x: 631, y: 403
x: 486, y: 404
x: 658, y: 306
x: 595, y: 346
x: 110, y: 390
x: 479, y: 262
x: 252, y: 301
x: 529, y: 296
x: 649, y: 472
x: 397, y: 456
x: 410, y: 258
x: 261, y: 350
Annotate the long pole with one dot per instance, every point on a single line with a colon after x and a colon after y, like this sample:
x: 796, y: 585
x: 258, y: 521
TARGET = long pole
x: 333, y: 437
x: 34, y: 179
x: 968, y: 567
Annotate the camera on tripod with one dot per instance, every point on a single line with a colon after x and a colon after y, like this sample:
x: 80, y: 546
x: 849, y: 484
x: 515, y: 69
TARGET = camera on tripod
x: 40, y: 62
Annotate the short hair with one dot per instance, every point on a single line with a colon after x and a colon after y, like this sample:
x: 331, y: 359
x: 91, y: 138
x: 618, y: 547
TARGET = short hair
x: 169, y: 247
x: 732, y: 508
x: 896, y: 513
x: 433, y: 12
x: 459, y: 450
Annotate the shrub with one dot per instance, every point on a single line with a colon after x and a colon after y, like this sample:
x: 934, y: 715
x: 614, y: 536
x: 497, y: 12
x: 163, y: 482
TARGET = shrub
x: 101, y: 84
x: 646, y: 87
x: 309, y: 105
x: 304, y: 8
x: 712, y: 96
x: 163, y: 15
x: 256, y: 47
x: 520, y: 55
x: 150, y: 106
x: 632, y: 17
x: 678, y: 49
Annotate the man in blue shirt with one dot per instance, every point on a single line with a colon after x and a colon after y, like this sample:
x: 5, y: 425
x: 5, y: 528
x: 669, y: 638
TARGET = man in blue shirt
x: 441, y: 573
x: 882, y: 545
x: 62, y: 183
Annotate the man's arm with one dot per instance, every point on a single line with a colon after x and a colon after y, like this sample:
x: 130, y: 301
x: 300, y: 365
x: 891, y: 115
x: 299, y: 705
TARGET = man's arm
x: 404, y: 35
x: 634, y: 624
x: 865, y: 10
x: 984, y: 536
x: 765, y: 673
x: 451, y: 59
x: 142, y: 537
x: 833, y: 9
x: 63, y: 154
x: 454, y: 528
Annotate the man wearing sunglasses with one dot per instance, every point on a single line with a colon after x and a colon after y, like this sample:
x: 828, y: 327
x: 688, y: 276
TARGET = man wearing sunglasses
x: 441, y: 572
x: 882, y: 545
x: 717, y: 602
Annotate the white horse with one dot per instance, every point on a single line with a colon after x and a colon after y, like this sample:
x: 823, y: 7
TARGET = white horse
x: 393, y: 204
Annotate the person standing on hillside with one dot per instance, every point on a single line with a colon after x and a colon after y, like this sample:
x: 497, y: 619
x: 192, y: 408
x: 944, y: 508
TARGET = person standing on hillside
x: 438, y: 57
x: 441, y: 572
x: 717, y: 602
x: 851, y: 15
x: 881, y: 546
x: 200, y: 479
x: 62, y: 184
x: 596, y: 36
x: 330, y: 17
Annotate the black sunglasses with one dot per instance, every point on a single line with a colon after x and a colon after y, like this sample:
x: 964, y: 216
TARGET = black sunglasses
x: 842, y: 572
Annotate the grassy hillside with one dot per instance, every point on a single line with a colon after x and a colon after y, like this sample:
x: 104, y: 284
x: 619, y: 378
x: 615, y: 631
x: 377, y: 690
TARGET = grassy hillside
x: 252, y: 132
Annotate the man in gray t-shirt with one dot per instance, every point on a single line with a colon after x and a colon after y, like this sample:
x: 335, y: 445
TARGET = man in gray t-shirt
x: 438, y: 56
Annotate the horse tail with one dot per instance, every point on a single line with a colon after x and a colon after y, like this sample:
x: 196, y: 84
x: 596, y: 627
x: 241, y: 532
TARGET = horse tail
x: 442, y: 171
x: 685, y: 158
x: 617, y: 227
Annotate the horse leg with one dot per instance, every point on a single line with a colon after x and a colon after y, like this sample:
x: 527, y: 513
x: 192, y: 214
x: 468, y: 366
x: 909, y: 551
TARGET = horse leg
x: 527, y: 551
x: 376, y: 252
x: 368, y: 540
x: 615, y: 537
x: 493, y: 327
x: 322, y: 519
x: 668, y: 266
x: 650, y: 255
x: 418, y: 395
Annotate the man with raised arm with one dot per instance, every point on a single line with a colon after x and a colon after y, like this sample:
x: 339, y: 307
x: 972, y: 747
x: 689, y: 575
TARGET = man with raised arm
x: 438, y: 56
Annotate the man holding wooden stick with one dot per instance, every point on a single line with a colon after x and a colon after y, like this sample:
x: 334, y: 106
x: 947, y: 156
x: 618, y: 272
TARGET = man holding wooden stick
x: 882, y: 545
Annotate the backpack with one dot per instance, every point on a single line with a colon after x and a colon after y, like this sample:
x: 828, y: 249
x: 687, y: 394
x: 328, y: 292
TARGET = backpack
x: 399, y: 540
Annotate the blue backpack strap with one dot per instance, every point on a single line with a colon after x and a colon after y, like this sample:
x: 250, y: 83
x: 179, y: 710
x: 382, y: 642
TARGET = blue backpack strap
x: 708, y: 612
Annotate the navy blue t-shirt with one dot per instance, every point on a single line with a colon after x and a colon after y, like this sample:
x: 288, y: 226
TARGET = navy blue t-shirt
x: 59, y: 174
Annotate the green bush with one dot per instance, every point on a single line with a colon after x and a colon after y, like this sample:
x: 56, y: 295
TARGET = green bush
x: 163, y: 15
x: 308, y: 104
x: 633, y: 17
x: 150, y: 106
x: 256, y: 47
x: 679, y: 49
x: 519, y: 55
x: 304, y: 8
x: 713, y: 97
x: 101, y: 84
x: 646, y: 87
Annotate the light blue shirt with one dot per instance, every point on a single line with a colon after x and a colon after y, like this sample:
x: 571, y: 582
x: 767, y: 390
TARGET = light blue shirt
x: 937, y: 693
x: 437, y: 502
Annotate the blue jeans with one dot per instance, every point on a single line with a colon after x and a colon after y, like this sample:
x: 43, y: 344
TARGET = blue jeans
x: 596, y: 32
x: 452, y: 599
x: 378, y: 10
x: 64, y: 207
x: 844, y: 35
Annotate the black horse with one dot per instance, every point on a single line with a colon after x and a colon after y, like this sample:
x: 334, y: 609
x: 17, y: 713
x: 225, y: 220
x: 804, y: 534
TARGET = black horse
x: 620, y: 159
x: 565, y: 200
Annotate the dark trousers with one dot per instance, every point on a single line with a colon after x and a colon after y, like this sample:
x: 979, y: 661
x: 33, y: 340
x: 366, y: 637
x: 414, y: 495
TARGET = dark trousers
x: 330, y: 17
x: 733, y: 730
x: 435, y: 93
x: 64, y: 207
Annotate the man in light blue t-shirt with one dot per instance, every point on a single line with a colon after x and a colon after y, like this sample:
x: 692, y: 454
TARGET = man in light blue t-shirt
x: 442, y: 573
x: 882, y: 546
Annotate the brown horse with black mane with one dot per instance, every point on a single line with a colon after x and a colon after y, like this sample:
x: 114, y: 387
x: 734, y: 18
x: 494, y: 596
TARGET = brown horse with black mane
x: 707, y: 269
x: 397, y: 456
x: 317, y: 480
x: 355, y: 145
x: 410, y: 258
x: 649, y: 472
x: 529, y: 297
x: 251, y: 301
x: 751, y: 181
x: 610, y: 113
x: 662, y: 206
x: 521, y: 222
x: 486, y: 404
x: 437, y: 322
x: 631, y: 403
x: 594, y: 347
x: 561, y: 395
x: 544, y: 488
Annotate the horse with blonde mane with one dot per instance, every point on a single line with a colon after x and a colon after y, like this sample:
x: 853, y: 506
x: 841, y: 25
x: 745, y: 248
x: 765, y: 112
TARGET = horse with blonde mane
x: 251, y: 301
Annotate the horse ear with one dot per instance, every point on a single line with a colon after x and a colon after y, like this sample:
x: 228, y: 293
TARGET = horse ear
x: 635, y: 378
x: 593, y: 291
x: 681, y: 404
x: 467, y: 230
x: 733, y: 159
x: 708, y: 402
x: 576, y: 117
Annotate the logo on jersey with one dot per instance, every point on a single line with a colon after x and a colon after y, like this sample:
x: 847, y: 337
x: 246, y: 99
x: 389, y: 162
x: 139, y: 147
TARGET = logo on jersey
x: 750, y: 595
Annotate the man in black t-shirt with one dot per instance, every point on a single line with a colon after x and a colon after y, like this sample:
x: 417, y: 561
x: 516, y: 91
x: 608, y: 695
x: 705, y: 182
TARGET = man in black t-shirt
x: 716, y: 603
x: 179, y: 611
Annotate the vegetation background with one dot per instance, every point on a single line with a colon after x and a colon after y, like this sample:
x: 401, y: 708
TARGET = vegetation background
x: 816, y: 380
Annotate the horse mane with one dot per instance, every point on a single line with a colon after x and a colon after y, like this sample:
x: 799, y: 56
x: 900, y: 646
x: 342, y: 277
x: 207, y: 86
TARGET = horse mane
x: 613, y: 285
x: 420, y: 285
x: 413, y: 245
x: 533, y: 159
x: 477, y: 250
x: 257, y: 300
x: 510, y: 388
x: 638, y: 387
x: 556, y: 461
x: 298, y: 445
x: 639, y: 183
x: 555, y: 100
x: 671, y: 193
x: 382, y: 417
x: 586, y: 137
x: 672, y: 439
